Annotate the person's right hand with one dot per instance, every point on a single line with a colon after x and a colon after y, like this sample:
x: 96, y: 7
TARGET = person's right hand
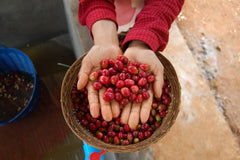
x: 90, y: 63
x: 106, y: 46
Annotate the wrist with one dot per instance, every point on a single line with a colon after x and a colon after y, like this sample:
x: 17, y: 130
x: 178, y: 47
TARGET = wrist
x: 105, y: 33
x: 138, y: 44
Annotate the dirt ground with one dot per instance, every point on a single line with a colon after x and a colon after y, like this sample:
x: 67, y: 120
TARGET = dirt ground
x: 211, y: 29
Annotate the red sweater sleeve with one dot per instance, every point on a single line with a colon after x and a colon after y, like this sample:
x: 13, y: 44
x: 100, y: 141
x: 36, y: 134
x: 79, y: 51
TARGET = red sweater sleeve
x: 90, y: 11
x: 153, y: 23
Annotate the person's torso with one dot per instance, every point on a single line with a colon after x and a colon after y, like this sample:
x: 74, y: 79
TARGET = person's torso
x: 126, y: 12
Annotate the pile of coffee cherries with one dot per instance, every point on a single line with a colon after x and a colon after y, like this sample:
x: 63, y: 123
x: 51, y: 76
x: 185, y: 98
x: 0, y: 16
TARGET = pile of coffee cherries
x: 125, y: 81
x: 119, y: 76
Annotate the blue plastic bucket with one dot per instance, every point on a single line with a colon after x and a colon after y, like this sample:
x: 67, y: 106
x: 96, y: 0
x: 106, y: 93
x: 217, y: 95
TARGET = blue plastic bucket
x: 15, y: 60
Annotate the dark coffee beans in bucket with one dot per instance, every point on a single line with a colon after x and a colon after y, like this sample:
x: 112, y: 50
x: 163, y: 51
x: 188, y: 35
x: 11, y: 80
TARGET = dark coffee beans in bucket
x: 15, y: 92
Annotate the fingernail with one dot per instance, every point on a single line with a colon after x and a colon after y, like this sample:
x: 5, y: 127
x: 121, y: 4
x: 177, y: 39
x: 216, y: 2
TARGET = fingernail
x: 78, y: 85
x: 156, y: 95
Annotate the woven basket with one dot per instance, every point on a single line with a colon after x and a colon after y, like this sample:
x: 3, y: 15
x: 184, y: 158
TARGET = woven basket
x: 67, y: 109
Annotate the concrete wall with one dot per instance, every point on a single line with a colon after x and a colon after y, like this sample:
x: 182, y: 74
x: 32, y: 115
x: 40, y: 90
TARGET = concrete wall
x: 80, y: 37
x: 30, y: 21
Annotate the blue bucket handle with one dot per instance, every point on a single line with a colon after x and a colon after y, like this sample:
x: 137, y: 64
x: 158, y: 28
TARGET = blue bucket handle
x: 88, y: 150
x: 4, y: 47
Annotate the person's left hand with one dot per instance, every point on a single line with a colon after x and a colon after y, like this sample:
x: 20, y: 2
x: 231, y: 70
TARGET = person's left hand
x: 132, y: 112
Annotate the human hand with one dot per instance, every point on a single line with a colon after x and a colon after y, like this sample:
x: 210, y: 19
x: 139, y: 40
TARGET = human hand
x: 106, y: 47
x: 139, y: 52
x: 91, y: 63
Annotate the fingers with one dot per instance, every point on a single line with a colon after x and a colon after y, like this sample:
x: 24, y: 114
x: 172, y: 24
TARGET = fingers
x: 125, y: 113
x: 83, y: 74
x: 93, y: 100
x: 158, y: 83
x: 134, y: 115
x: 105, y: 106
x: 115, y: 109
x: 146, y: 107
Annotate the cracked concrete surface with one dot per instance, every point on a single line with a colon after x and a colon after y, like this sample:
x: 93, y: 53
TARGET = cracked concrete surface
x: 200, y: 131
x: 211, y: 30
